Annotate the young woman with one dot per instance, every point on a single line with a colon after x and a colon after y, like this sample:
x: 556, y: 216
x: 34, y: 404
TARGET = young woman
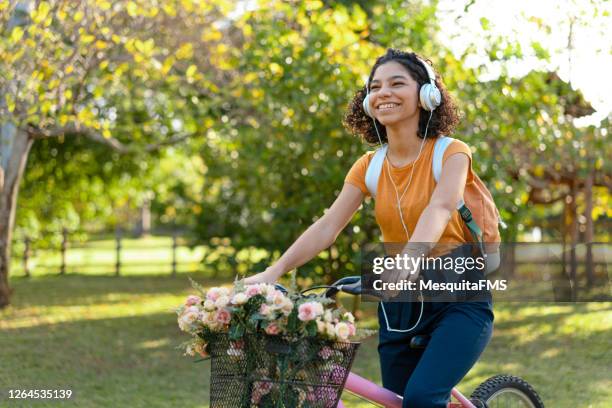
x: 410, y: 207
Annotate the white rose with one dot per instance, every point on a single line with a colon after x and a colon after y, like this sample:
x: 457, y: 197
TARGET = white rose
x: 349, y: 316
x: 240, y: 299
x: 279, y: 300
x: 192, y: 309
x: 209, y: 305
x: 204, y: 317
x: 190, y: 350
x: 265, y: 310
x: 320, y: 327
x: 222, y: 302
x: 184, y: 327
x: 328, y: 316
x: 330, y: 329
x: 342, y: 331
x: 187, y: 319
x: 287, y: 306
x: 265, y: 289
x: 318, y: 308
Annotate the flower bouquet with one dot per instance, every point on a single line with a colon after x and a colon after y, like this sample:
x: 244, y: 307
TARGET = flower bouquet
x: 268, y: 348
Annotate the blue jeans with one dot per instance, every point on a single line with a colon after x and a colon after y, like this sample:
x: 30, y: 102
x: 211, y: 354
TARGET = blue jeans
x: 459, y: 334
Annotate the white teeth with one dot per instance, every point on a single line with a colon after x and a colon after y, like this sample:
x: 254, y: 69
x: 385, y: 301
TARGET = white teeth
x: 387, y: 106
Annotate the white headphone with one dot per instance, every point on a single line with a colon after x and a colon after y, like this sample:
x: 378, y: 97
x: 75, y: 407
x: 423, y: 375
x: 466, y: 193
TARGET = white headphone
x: 429, y: 94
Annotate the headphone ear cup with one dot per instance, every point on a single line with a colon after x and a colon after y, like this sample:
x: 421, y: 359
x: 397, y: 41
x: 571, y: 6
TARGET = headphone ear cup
x: 366, y: 106
x: 430, y: 97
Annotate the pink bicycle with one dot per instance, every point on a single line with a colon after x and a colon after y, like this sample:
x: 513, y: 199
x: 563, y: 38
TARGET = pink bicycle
x: 237, y: 383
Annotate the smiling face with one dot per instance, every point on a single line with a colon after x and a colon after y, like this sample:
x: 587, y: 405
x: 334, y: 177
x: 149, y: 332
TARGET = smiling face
x: 394, y: 94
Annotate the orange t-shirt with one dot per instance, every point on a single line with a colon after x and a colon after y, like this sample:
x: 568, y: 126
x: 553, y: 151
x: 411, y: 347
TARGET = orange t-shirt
x: 416, y: 198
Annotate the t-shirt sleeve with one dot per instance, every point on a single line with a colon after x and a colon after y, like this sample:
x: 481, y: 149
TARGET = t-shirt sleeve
x: 457, y: 146
x: 356, y: 175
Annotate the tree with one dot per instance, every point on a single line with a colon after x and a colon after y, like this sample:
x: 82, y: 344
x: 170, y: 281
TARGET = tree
x: 117, y: 73
x: 280, y: 155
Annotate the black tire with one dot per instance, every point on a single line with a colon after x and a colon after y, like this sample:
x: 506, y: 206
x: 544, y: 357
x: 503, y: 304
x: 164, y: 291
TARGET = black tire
x: 502, y: 386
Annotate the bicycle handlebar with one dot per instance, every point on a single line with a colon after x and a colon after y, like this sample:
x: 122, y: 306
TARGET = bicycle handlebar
x: 348, y: 284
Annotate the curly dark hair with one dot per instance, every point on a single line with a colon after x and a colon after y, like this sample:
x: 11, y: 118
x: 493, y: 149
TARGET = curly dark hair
x: 443, y: 120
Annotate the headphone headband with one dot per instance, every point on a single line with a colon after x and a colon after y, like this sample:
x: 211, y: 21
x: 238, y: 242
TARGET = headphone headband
x: 430, y: 73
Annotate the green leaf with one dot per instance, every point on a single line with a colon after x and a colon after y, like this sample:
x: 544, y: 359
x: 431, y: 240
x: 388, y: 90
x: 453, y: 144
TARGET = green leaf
x: 293, y: 321
x: 191, y: 71
x: 485, y: 23
x: 236, y: 332
x: 311, y: 328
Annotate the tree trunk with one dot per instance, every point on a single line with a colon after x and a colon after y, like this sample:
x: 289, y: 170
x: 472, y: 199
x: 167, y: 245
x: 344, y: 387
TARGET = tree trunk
x: 14, y: 148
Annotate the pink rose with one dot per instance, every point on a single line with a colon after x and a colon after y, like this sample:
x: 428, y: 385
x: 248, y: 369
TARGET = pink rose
x: 309, y: 311
x: 342, y: 330
x: 192, y: 300
x: 352, y: 329
x: 213, y: 294
x: 253, y: 290
x: 273, y: 329
x: 306, y: 312
x: 273, y: 295
x: 265, y: 310
x: 188, y: 318
x: 223, y: 316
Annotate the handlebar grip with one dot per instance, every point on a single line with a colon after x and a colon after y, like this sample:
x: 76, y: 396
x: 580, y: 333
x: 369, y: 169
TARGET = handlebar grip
x: 340, y: 283
x: 281, y: 288
x: 352, y: 288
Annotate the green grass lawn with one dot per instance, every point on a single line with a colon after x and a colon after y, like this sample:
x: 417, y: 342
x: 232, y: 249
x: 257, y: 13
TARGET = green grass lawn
x: 112, y: 342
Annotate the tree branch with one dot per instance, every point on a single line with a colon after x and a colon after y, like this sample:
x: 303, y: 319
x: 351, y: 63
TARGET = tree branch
x: 535, y: 197
x: 115, y: 144
x: 77, y: 128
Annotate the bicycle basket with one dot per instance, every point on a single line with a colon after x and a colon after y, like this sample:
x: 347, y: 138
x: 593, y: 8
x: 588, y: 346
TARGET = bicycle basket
x: 272, y: 371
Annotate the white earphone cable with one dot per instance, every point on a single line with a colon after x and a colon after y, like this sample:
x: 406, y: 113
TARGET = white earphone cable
x: 397, y: 196
x: 399, y: 207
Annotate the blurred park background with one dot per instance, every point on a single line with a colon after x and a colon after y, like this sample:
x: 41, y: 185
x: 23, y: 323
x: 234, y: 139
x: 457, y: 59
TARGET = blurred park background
x: 145, y: 141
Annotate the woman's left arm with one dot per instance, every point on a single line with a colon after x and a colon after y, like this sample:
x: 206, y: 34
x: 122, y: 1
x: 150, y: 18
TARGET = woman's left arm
x: 443, y: 202
x: 435, y: 216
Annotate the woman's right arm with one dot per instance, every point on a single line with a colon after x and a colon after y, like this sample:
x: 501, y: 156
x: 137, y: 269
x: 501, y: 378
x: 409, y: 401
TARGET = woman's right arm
x: 317, y: 237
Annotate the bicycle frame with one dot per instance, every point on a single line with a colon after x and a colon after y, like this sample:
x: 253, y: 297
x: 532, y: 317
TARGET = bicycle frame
x: 375, y: 393
x: 367, y: 389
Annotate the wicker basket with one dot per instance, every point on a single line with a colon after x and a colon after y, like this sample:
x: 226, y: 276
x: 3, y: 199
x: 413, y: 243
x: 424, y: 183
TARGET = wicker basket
x: 272, y: 371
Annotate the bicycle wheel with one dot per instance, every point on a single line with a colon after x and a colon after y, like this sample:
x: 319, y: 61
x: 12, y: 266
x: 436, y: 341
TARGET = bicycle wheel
x: 507, y: 391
